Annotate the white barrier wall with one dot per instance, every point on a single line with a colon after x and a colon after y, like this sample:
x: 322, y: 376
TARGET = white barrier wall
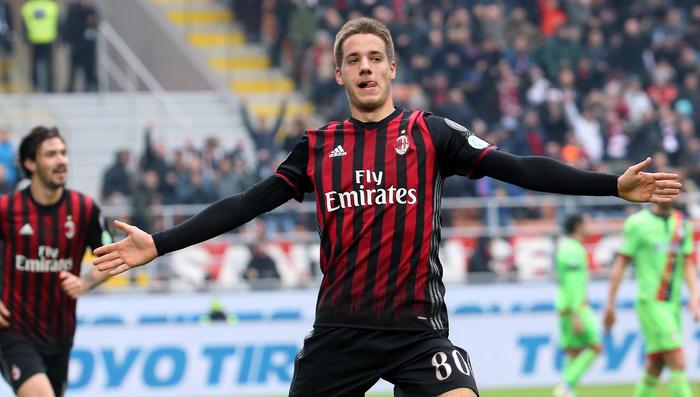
x: 510, y: 333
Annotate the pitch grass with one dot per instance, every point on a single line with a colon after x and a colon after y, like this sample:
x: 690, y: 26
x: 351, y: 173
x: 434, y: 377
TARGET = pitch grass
x: 583, y: 391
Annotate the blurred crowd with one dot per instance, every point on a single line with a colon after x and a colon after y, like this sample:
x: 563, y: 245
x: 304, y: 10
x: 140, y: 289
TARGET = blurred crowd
x: 594, y: 83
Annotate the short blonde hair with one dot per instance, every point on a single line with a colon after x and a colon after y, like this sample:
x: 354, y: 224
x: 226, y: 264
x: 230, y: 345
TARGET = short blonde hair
x: 362, y: 26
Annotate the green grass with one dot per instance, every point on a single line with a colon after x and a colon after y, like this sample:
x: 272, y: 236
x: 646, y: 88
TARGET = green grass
x: 583, y: 391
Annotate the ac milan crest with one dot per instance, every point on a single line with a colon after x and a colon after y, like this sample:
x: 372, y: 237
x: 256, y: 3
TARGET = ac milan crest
x: 69, y: 227
x: 16, y: 373
x: 401, y: 145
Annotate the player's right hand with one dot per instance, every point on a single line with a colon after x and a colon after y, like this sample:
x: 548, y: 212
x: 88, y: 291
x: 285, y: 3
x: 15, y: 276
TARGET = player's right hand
x: 4, y: 316
x: 136, y: 249
x: 578, y: 324
x: 609, y: 318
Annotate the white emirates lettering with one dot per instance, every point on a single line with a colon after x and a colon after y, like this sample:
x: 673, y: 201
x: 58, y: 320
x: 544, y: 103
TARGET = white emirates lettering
x: 364, y: 197
x: 47, y: 261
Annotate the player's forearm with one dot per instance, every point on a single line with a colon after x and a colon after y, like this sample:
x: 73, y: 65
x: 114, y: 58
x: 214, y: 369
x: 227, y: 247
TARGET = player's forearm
x: 224, y: 215
x: 94, y: 278
x: 618, y: 271
x: 691, y: 278
x: 544, y: 174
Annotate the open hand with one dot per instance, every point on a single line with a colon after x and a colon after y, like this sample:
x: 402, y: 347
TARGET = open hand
x: 654, y: 187
x: 136, y: 249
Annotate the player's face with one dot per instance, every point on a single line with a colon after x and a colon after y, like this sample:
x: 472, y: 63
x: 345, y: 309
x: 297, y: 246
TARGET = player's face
x: 51, y: 165
x: 366, y: 72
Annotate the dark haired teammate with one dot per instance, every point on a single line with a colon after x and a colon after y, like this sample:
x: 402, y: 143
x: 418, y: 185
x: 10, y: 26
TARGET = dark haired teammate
x: 45, y: 229
x: 377, y: 180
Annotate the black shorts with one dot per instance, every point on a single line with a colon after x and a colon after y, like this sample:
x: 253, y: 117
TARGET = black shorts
x: 346, y: 362
x: 21, y: 358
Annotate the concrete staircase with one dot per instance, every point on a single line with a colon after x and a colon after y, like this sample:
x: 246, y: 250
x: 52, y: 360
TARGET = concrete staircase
x: 208, y: 26
x: 96, y: 126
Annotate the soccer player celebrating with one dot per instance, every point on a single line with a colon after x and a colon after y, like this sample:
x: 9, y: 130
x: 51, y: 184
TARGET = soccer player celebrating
x: 377, y: 179
x: 45, y: 229
x: 660, y: 241
x: 580, y: 337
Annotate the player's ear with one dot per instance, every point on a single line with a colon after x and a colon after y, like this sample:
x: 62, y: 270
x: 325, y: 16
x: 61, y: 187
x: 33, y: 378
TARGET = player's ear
x: 392, y: 68
x: 30, y: 165
x: 338, y: 76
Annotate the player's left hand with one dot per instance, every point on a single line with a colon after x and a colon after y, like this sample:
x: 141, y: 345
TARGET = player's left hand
x: 654, y: 187
x: 609, y: 318
x: 72, y: 284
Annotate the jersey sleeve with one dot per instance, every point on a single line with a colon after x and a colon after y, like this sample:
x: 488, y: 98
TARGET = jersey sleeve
x: 293, y: 169
x: 97, y: 233
x: 630, y: 240
x: 688, y: 239
x: 458, y: 150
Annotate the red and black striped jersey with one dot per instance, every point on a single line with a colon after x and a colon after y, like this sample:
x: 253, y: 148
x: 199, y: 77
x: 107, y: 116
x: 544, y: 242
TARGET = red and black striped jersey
x: 378, y: 188
x: 38, y: 243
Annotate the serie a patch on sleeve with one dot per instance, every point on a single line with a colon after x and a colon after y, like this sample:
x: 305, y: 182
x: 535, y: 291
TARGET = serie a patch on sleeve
x: 473, y: 140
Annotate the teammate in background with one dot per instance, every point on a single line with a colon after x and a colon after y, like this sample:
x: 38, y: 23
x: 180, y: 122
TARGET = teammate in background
x: 45, y: 229
x: 580, y: 336
x: 377, y: 179
x: 660, y: 241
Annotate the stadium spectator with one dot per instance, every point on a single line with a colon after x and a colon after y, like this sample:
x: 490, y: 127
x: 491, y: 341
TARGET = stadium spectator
x: 80, y: 33
x: 154, y: 159
x: 261, y: 271
x: 41, y: 20
x: 7, y: 38
x: 263, y: 135
x: 116, y: 182
x: 146, y: 200
x: 195, y: 186
x: 217, y: 314
x: 233, y: 177
x: 7, y: 156
x: 585, y: 127
x: 5, y: 185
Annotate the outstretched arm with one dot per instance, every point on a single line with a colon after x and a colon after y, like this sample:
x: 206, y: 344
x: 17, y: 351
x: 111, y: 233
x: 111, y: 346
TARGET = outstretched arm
x: 548, y: 175
x: 139, y: 247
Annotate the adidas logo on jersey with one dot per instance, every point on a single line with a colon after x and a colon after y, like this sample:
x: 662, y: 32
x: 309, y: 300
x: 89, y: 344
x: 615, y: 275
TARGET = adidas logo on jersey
x: 26, y: 230
x: 338, y: 152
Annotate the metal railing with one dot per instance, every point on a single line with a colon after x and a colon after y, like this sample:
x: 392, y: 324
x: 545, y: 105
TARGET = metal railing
x: 489, y: 214
x: 119, y: 64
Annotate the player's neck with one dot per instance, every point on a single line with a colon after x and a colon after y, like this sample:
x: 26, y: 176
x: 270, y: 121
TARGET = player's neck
x: 377, y: 114
x: 663, y: 212
x: 578, y: 237
x: 43, y: 195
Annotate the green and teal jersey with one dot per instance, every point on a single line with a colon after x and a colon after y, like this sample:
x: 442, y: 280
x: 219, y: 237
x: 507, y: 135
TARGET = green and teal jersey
x: 658, y: 245
x: 572, y: 275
